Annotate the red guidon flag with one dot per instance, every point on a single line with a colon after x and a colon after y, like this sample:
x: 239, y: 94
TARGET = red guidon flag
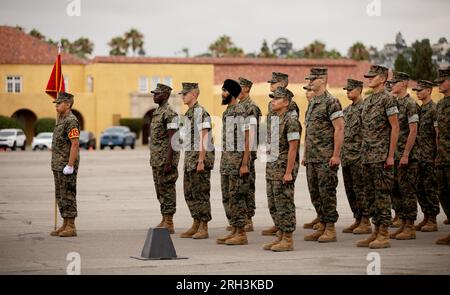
x: 56, y: 81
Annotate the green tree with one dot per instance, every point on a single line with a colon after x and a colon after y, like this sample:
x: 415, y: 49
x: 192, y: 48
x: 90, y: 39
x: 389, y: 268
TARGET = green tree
x: 81, y: 47
x: 224, y: 47
x: 135, y: 40
x: 35, y: 33
x: 118, y: 45
x: 265, y: 51
x: 44, y: 125
x: 402, y: 64
x: 358, y: 51
x: 315, y: 50
x: 333, y: 53
x: 422, y: 66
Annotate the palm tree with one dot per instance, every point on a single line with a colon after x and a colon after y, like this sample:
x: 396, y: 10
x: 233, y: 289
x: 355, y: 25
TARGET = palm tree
x: 82, y: 47
x: 135, y: 40
x: 119, y: 46
x: 358, y: 52
x: 315, y: 50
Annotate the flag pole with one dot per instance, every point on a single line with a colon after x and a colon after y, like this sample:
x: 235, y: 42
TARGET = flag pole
x: 56, y: 203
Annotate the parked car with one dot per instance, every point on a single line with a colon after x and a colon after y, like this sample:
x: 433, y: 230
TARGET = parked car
x: 42, y: 141
x: 117, y: 136
x: 87, y: 140
x: 13, y: 138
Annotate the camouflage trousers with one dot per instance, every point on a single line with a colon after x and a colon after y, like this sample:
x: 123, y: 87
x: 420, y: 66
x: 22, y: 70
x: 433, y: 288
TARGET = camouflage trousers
x: 443, y: 180
x: 354, y: 188
x: 234, y: 191
x: 404, y: 193
x: 378, y: 183
x: 66, y: 193
x: 427, y: 189
x: 250, y: 199
x: 280, y: 198
x: 322, y: 183
x: 165, y: 189
x: 197, y: 187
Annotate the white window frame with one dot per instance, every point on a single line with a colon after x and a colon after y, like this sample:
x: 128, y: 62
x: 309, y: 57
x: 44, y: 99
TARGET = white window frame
x: 168, y: 81
x: 66, y: 83
x: 15, y: 80
x: 90, y: 83
x: 155, y: 80
x: 143, y: 84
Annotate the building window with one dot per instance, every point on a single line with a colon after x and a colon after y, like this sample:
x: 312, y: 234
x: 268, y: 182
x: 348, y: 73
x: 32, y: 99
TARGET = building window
x: 13, y: 84
x: 66, y: 83
x: 90, y: 84
x: 155, y: 80
x: 168, y: 81
x: 143, y: 84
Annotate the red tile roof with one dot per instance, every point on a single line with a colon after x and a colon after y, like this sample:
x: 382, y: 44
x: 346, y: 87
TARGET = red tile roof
x: 17, y: 47
x: 225, y: 61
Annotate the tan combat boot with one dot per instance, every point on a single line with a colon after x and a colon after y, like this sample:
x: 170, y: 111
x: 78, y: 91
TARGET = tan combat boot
x: 161, y: 224
x: 329, y: 234
x: 312, y: 223
x: 240, y: 238
x: 396, y: 222
x: 315, y: 235
x: 373, y: 236
x: 268, y: 246
x: 56, y: 232
x: 399, y: 230
x: 202, y: 232
x: 70, y: 229
x: 248, y: 225
x: 444, y: 240
x: 349, y: 230
x: 286, y: 243
x: 190, y: 232
x: 423, y: 222
x: 168, y: 223
x: 221, y: 241
x: 431, y: 225
x: 382, y: 240
x: 364, y: 227
x: 408, y: 233
x: 270, y: 231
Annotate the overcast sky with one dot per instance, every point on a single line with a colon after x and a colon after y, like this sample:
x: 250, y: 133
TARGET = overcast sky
x: 170, y: 25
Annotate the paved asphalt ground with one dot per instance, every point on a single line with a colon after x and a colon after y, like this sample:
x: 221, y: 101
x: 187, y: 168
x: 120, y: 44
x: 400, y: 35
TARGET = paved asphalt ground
x: 117, y: 205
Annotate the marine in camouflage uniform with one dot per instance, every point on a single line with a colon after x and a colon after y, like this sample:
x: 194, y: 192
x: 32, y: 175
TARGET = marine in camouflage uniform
x: 279, y: 80
x: 252, y: 118
x: 426, y: 143
x: 443, y: 146
x: 280, y: 192
x: 163, y: 158
x: 404, y: 195
x: 234, y: 185
x: 377, y: 155
x: 65, y: 135
x: 323, y: 117
x: 351, y: 160
x: 198, y: 162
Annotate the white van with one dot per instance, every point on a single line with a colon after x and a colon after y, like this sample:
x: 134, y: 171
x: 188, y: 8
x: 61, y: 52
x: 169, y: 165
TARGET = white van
x: 13, y: 138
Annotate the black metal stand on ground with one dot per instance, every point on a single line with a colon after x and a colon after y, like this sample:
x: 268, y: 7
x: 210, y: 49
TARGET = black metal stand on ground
x: 158, y: 246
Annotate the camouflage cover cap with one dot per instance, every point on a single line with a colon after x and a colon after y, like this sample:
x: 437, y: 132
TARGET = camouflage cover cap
x: 317, y: 72
x: 160, y: 88
x: 423, y: 84
x: 399, y: 76
x: 278, y: 77
x: 352, y: 84
x: 188, y: 87
x: 245, y: 82
x: 442, y: 75
x: 63, y: 96
x: 376, y: 70
x: 281, y: 92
